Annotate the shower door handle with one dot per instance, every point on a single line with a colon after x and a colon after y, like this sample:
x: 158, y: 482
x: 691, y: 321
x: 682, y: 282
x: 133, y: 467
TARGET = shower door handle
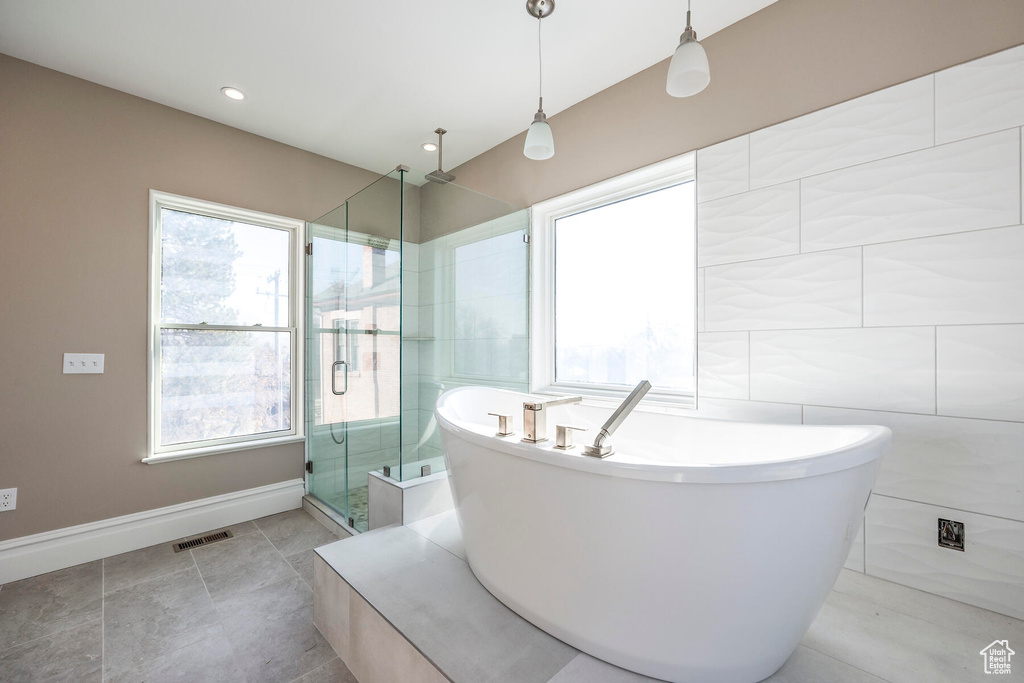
x: 334, y: 378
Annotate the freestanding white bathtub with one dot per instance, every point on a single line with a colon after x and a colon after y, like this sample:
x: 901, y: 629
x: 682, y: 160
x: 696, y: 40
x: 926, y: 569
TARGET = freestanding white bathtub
x: 700, y: 551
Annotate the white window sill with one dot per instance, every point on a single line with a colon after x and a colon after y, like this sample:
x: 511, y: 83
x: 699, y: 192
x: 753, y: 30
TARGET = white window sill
x: 221, y: 448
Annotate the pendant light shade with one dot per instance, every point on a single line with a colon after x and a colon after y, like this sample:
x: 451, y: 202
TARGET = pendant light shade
x: 688, y: 72
x: 540, y: 143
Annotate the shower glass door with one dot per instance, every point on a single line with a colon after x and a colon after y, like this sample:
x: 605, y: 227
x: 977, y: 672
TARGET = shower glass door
x: 353, y: 289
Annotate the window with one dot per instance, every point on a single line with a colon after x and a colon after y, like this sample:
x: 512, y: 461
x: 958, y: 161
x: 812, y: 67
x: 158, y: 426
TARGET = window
x: 614, y: 277
x: 224, y: 342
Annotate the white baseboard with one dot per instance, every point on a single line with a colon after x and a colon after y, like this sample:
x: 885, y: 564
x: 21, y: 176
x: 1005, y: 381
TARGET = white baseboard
x: 52, y: 550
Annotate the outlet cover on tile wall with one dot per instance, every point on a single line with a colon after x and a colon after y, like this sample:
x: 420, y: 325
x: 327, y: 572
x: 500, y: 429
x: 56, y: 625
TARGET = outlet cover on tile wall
x: 951, y: 534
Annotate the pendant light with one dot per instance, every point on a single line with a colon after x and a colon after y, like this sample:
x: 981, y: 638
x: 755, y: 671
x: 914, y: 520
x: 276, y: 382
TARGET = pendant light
x: 688, y: 72
x: 540, y: 143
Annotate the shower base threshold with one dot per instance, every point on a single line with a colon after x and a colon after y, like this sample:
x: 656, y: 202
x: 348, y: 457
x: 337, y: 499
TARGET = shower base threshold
x: 328, y: 516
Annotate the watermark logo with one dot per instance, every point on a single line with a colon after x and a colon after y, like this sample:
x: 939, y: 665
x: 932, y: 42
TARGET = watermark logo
x: 997, y: 657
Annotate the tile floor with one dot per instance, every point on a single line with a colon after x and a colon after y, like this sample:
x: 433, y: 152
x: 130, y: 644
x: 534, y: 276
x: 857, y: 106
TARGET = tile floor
x: 236, y: 610
x: 241, y: 610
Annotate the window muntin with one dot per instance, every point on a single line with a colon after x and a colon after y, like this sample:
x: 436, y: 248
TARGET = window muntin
x: 623, y: 278
x: 615, y: 279
x: 224, y: 344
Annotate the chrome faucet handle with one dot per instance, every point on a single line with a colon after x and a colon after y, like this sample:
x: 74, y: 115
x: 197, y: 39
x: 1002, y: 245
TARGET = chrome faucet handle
x: 535, y: 416
x: 504, y: 424
x: 563, y: 436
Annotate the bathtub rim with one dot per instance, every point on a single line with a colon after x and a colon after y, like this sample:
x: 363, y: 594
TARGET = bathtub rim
x: 871, y: 446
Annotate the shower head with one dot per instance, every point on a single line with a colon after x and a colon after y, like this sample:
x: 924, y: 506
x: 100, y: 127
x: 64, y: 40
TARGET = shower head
x: 440, y: 176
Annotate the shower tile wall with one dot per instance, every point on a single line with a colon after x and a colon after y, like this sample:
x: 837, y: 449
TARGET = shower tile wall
x: 864, y: 264
x: 471, y: 322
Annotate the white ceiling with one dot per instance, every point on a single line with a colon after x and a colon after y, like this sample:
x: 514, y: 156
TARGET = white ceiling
x: 362, y: 82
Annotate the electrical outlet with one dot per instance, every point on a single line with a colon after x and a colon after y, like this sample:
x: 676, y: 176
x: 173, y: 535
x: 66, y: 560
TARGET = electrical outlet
x: 8, y: 499
x: 951, y: 534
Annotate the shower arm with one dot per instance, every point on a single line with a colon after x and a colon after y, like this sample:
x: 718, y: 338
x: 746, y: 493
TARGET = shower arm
x: 440, y: 148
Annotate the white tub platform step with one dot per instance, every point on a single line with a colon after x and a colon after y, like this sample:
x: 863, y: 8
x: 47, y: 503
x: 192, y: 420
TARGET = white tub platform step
x: 401, y: 604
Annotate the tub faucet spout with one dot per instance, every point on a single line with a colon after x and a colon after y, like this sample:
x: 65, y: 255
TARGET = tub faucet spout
x: 602, y: 450
x: 535, y: 417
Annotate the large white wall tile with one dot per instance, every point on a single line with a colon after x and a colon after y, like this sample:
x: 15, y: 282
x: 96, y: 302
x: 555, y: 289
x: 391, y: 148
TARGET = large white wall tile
x: 363, y: 437
x: 967, y: 278
x: 962, y: 186
x: 981, y: 371
x: 411, y: 257
x: 880, y: 368
x: 736, y: 410
x: 410, y: 321
x: 891, y: 121
x: 700, y: 299
x: 723, y: 169
x: 980, y: 96
x: 902, y: 546
x: 936, y: 232
x: 975, y: 465
x: 802, y: 291
x: 433, y: 254
x: 750, y: 225
x: 436, y: 285
x: 723, y: 368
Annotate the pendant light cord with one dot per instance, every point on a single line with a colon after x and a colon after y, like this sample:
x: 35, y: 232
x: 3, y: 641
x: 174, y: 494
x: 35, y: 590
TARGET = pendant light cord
x: 540, y: 67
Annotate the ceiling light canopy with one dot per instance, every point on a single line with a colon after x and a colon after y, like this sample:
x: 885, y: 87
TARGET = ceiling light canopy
x: 540, y: 143
x: 233, y: 93
x: 688, y: 72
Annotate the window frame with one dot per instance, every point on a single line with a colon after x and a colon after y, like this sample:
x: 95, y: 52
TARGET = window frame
x: 296, y: 299
x: 664, y: 174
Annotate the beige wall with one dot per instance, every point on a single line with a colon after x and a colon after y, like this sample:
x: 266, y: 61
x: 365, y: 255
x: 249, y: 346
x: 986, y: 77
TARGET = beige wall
x: 445, y: 209
x: 77, y: 161
x: 791, y: 58
x: 383, y: 210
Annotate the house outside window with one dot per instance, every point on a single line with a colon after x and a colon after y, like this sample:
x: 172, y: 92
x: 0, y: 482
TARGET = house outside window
x: 225, y: 348
x: 614, y: 282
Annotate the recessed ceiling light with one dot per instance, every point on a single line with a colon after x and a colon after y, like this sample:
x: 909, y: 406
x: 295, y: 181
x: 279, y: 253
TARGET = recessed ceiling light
x: 430, y: 146
x: 233, y: 93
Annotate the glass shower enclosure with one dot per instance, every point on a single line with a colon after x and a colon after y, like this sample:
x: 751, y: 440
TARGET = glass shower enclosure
x: 353, y: 345
x: 385, y: 273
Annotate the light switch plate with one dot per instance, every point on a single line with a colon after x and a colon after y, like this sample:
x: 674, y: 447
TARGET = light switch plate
x: 83, y: 363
